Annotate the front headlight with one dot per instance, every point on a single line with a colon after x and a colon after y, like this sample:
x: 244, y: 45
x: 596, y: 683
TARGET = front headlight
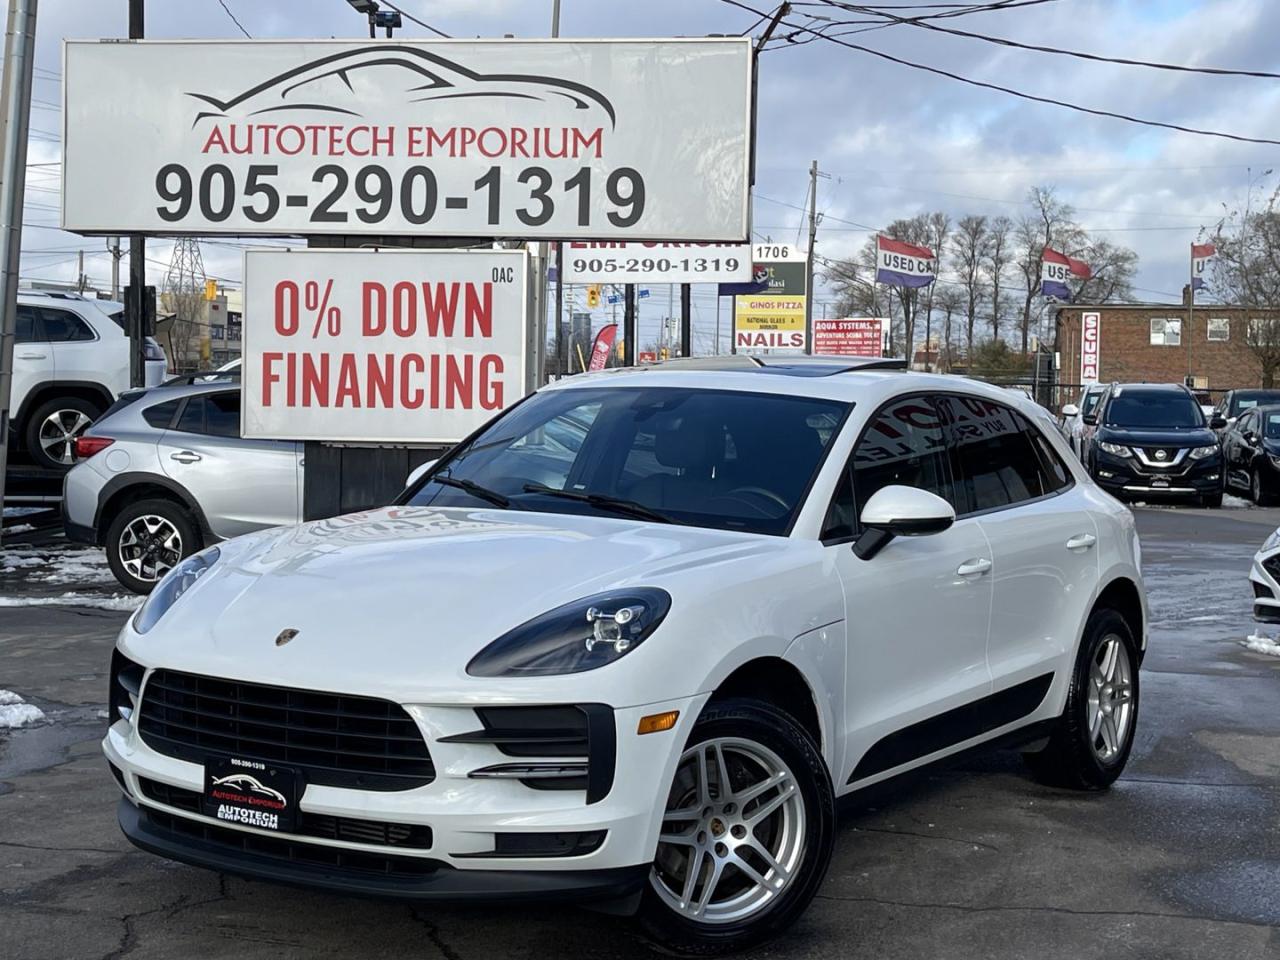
x: 1199, y: 453
x: 175, y: 583
x: 579, y: 636
x: 1115, y: 449
x: 1272, y: 541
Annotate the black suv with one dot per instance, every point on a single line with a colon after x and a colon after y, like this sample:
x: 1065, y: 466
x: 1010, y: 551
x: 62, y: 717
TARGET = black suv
x: 1152, y: 442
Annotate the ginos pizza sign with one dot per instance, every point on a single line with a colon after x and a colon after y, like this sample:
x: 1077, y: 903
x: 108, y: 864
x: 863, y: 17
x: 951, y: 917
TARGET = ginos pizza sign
x: 1090, y: 346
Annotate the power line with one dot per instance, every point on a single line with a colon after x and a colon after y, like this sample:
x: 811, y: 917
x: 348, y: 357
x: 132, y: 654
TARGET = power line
x: 223, y: 4
x: 1056, y: 51
x: 1019, y: 93
x: 422, y: 23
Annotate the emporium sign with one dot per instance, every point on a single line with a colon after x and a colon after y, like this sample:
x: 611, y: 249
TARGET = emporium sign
x: 598, y: 139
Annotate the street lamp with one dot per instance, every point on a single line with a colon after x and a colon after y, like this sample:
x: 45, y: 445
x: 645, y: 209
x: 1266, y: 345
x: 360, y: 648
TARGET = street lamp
x: 388, y: 19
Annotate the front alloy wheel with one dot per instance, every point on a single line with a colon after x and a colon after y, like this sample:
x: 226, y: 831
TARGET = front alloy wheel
x: 150, y: 546
x: 734, y: 835
x: 747, y: 832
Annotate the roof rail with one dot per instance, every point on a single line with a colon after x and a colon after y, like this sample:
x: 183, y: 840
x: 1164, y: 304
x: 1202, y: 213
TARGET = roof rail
x: 201, y: 376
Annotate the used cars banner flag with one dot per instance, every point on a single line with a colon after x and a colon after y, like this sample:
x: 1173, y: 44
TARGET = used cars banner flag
x: 1201, y: 254
x: 1056, y: 269
x: 901, y: 264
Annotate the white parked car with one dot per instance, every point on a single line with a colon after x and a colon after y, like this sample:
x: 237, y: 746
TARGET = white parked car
x: 1073, y: 424
x: 1264, y: 577
x: 632, y: 639
x: 70, y: 362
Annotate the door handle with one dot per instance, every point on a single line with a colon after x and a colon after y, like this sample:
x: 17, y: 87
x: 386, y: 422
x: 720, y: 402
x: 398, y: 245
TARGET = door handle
x: 1081, y: 542
x: 33, y: 356
x: 185, y: 456
x: 974, y: 568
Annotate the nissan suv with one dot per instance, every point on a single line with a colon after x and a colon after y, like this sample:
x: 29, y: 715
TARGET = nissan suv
x: 1151, y: 441
x: 70, y: 362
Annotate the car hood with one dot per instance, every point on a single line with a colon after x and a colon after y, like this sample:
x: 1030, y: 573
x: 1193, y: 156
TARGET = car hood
x: 1157, y: 438
x: 414, y: 589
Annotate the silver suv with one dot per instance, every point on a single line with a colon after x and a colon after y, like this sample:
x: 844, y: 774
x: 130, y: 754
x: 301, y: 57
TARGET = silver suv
x: 165, y: 472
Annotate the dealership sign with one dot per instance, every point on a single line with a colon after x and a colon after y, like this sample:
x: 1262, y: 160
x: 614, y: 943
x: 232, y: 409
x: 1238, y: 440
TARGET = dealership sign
x: 601, y: 139
x: 1090, y: 346
x: 851, y: 337
x: 392, y: 346
x: 655, y: 262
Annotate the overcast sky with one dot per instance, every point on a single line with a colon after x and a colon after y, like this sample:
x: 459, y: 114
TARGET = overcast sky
x: 895, y: 140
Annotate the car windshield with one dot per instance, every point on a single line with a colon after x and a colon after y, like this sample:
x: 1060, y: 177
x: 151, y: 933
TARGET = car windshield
x: 711, y: 458
x: 1159, y: 411
x: 1090, y: 402
x: 1241, y: 400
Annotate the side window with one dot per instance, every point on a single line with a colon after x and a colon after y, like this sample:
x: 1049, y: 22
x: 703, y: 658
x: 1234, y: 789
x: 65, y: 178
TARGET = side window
x: 161, y: 415
x: 903, y: 444
x: 840, y: 522
x: 222, y: 415
x: 28, y: 330
x: 995, y: 461
x: 62, y: 326
x: 192, y: 418
x: 1056, y: 475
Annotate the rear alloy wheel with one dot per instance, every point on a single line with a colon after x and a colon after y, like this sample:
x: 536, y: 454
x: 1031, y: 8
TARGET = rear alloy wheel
x: 53, y: 428
x: 746, y: 833
x: 147, y: 540
x: 1091, y: 741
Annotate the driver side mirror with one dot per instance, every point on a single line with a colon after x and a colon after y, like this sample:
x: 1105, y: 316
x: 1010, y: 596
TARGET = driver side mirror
x: 1218, y: 423
x: 900, y: 511
x: 1089, y: 419
x: 418, y: 472
x: 1070, y: 410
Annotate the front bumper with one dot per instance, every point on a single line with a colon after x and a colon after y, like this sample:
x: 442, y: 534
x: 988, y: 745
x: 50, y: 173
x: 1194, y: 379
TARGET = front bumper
x: 478, y: 830
x: 268, y: 857
x: 1127, y: 477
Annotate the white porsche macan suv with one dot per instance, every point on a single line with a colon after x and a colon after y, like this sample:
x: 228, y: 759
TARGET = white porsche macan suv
x: 632, y: 639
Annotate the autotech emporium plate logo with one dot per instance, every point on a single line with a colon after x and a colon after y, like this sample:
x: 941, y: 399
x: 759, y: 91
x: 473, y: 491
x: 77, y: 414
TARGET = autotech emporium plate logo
x: 247, y: 800
x: 284, y: 636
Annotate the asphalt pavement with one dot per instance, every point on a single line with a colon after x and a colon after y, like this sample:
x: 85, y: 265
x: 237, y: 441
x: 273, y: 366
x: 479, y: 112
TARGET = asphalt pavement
x: 1180, y: 859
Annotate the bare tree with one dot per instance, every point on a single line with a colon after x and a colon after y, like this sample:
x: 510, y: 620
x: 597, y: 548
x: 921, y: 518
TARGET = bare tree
x: 1049, y: 224
x: 999, y: 257
x: 950, y: 301
x: 1112, y: 269
x: 939, y: 226
x: 1247, y: 271
x: 968, y: 251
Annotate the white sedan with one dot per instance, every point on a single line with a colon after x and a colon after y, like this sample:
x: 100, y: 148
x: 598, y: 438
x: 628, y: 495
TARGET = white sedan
x: 630, y: 642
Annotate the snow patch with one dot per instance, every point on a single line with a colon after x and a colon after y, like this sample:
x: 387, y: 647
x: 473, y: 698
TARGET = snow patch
x: 117, y: 601
x: 14, y: 712
x: 20, y: 528
x: 1235, y: 503
x: 1260, y: 644
x: 23, y: 511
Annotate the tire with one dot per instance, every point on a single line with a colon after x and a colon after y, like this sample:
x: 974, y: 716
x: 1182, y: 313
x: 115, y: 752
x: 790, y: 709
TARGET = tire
x: 1212, y: 500
x: 53, y: 425
x: 1073, y: 757
x: 757, y: 742
x: 139, y: 563
x: 1257, y: 492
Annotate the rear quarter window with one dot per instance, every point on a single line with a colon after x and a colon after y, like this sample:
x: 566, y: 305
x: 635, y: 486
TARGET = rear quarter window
x: 161, y: 415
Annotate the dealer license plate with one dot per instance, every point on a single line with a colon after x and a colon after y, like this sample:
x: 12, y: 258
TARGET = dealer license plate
x: 251, y: 793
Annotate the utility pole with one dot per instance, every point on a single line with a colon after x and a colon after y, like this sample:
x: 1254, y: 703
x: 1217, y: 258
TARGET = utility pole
x: 133, y: 307
x: 540, y: 276
x: 113, y: 248
x: 80, y: 277
x: 1191, y: 310
x: 15, y: 102
x: 808, y: 263
x: 686, y: 321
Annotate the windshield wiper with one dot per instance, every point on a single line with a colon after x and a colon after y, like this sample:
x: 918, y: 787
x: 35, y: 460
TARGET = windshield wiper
x: 475, y: 489
x: 615, y: 504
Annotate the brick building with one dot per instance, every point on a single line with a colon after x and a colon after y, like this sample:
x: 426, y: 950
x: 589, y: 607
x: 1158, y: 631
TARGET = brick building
x: 1148, y: 342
